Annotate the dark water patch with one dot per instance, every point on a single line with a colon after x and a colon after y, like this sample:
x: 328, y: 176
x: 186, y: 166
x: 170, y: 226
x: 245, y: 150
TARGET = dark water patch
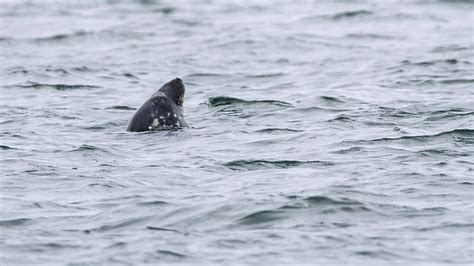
x: 120, y: 107
x: 130, y: 75
x: 120, y: 225
x: 381, y: 254
x: 268, y: 75
x: 8, y: 121
x: 451, y: 61
x: 252, y: 165
x: 223, y: 100
x: 260, y: 217
x: 292, y: 206
x: 351, y: 14
x: 278, y: 130
x: 142, y: 2
x: 324, y: 201
x: 60, y: 87
x: 103, y: 185
x: 117, y: 76
x: 6, y: 39
x: 15, y: 222
x: 117, y: 245
x: 165, y: 10
x: 154, y: 228
x: 456, y: 81
x: 86, y: 69
x: 171, y: 253
x: 153, y: 203
x: 450, y: 48
x: 372, y: 36
x: 188, y: 22
x: 331, y: 100
x: 5, y: 147
x: 50, y: 247
x: 61, y: 37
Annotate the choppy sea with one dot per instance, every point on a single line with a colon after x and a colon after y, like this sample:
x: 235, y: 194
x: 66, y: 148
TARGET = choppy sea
x: 322, y: 132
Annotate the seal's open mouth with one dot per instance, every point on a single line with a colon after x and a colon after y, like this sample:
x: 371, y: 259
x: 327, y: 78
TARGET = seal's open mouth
x: 180, y: 96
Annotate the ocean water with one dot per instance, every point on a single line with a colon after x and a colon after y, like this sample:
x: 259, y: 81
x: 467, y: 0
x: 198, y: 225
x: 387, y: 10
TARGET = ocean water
x: 322, y: 132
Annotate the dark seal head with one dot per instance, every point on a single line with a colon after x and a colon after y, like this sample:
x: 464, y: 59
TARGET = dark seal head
x: 163, y: 110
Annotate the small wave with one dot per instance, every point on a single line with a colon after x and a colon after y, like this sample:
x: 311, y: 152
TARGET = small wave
x: 457, y: 81
x: 340, y: 118
x: 60, y: 37
x: 323, y: 200
x: 57, y: 70
x: 252, y: 165
x: 84, y: 69
x: 86, y: 147
x: 331, y: 99
x: 164, y: 10
x: 101, y: 185
x: 370, y: 254
x: 102, y: 126
x: 154, y: 228
x: 120, y: 107
x: 447, y: 226
x: 261, y: 217
x: 120, y: 225
x: 60, y: 87
x: 268, y: 75
x: 460, y: 134
x: 349, y: 150
x: 451, y: 61
x: 351, y: 14
x: 17, y: 70
x: 372, y: 36
x: 223, y: 100
x: 329, y: 205
x: 171, y: 253
x: 15, y: 222
x: 130, y: 75
x: 5, y: 147
x: 152, y: 203
x: 188, y: 22
x: 450, y: 48
x: 448, y: 114
x: 277, y: 130
x: 198, y: 75
x: 429, y: 152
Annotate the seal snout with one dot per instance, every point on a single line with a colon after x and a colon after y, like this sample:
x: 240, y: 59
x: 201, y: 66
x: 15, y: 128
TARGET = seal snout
x: 178, y: 82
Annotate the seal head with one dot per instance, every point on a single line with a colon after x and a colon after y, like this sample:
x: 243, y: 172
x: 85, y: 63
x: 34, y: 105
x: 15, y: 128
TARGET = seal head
x: 163, y: 110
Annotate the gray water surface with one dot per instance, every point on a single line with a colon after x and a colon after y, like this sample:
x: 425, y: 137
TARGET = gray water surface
x: 321, y: 132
